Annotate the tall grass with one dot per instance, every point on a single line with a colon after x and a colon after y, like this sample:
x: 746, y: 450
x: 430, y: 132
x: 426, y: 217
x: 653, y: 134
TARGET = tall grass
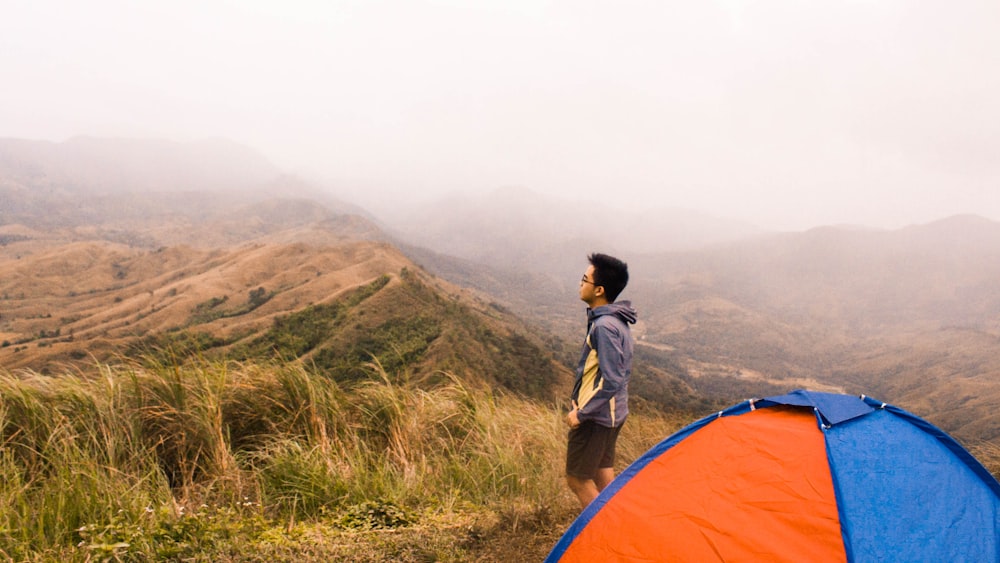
x: 207, y: 461
x: 154, y: 460
x: 70, y: 457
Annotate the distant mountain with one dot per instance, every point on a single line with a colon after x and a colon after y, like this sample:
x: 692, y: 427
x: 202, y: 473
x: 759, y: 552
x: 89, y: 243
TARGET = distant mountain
x: 943, y: 273
x: 911, y: 316
x: 515, y: 228
x: 95, y: 166
x: 153, y: 193
x: 529, y: 250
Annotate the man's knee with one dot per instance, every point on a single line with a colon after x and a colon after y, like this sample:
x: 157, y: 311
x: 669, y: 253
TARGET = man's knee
x: 584, y: 489
x: 577, y: 484
x: 604, y: 477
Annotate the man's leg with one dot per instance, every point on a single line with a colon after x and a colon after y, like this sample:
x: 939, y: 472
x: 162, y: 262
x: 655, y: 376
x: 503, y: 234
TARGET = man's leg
x: 582, y: 457
x: 604, y: 477
x: 585, y: 489
x: 591, y: 451
x: 606, y: 469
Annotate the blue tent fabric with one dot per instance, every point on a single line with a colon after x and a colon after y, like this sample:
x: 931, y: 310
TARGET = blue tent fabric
x: 832, y: 408
x: 905, y: 490
x: 902, y: 496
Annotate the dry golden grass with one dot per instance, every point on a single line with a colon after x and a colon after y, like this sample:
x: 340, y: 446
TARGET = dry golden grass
x: 246, y: 462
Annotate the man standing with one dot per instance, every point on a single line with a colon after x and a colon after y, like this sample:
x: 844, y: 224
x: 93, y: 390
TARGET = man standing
x: 600, y: 392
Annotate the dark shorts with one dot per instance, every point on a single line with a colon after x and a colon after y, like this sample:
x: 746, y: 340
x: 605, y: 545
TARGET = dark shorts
x: 591, y: 447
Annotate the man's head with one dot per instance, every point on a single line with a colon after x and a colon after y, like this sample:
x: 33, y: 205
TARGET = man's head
x: 604, y: 280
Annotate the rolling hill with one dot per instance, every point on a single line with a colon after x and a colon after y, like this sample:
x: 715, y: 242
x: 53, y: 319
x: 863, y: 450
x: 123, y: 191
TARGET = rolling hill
x: 93, y: 271
x: 337, y: 306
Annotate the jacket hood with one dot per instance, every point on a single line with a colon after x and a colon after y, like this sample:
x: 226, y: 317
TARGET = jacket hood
x: 621, y: 309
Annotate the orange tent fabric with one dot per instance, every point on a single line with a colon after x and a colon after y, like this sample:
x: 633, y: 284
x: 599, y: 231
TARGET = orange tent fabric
x: 757, y: 485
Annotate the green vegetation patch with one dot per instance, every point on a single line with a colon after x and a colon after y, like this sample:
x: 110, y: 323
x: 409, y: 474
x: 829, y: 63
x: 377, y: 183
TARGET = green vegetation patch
x: 210, y: 310
x: 6, y: 239
x: 409, y: 330
x: 292, y: 336
x: 375, y: 515
x: 395, y: 344
x: 173, y: 346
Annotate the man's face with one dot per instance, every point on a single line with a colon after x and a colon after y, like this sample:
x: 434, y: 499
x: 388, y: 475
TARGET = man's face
x: 588, y: 291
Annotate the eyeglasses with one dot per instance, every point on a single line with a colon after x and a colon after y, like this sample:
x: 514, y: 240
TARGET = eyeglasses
x: 585, y: 280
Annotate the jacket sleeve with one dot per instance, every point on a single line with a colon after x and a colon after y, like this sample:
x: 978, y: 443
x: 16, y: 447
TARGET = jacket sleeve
x: 608, y: 342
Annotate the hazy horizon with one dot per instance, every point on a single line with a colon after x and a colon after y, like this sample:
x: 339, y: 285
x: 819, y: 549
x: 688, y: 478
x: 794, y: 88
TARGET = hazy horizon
x: 782, y: 114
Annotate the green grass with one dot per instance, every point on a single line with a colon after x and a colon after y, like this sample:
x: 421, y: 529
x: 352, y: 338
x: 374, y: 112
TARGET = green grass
x: 225, y: 461
x: 228, y: 461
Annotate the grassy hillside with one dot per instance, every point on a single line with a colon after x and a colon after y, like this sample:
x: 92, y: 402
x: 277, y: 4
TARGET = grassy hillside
x: 402, y: 322
x: 64, y: 302
x: 248, y: 461
x: 232, y: 461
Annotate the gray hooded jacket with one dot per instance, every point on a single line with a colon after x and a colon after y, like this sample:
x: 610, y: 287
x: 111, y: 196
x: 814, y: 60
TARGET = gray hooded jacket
x: 600, y: 392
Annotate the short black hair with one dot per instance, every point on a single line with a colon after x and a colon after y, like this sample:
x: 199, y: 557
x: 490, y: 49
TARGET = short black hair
x: 609, y: 273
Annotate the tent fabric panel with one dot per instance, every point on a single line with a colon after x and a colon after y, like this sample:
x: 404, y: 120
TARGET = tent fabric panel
x: 653, y: 453
x: 949, y: 443
x: 833, y: 408
x: 742, y: 488
x: 904, y: 495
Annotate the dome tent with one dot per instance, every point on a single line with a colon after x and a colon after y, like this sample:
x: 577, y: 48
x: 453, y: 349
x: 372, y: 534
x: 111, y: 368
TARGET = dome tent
x: 806, y: 476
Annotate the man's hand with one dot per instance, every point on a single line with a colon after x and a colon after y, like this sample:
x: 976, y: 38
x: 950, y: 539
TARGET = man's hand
x: 572, y: 420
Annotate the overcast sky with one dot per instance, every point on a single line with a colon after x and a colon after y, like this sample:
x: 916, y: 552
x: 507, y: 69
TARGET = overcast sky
x: 788, y: 113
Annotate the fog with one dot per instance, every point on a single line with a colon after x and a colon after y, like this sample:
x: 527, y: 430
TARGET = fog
x: 789, y: 114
